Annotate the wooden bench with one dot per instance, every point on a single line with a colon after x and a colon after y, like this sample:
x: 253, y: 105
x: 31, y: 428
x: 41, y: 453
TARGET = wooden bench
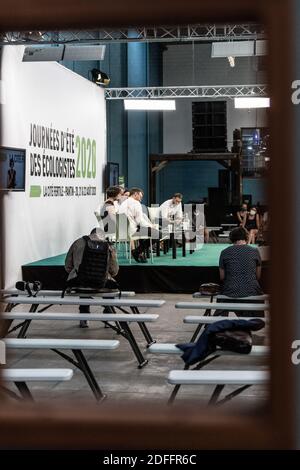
x: 20, y: 376
x: 121, y: 319
x: 171, y: 348
x: 110, y: 306
x: 76, y: 346
x: 219, y: 378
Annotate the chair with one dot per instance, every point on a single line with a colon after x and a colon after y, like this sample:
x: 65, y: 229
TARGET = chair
x: 122, y: 234
x: 154, y: 213
x: 142, y: 237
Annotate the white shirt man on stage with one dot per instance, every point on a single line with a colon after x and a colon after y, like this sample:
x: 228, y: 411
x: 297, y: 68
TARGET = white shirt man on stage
x: 139, y: 224
x: 171, y: 210
x: 133, y: 209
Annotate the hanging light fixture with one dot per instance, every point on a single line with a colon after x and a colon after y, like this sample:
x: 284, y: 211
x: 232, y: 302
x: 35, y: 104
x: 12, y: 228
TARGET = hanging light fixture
x: 248, y: 103
x: 150, y: 105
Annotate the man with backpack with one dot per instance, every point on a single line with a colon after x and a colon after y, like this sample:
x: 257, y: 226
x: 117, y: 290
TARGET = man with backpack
x: 91, y: 263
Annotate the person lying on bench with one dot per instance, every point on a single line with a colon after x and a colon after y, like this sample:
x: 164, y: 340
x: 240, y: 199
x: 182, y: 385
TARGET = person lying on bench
x: 91, y: 263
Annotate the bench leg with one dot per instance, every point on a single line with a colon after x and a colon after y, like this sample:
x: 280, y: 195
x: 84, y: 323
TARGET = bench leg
x: 117, y: 327
x: 24, y: 328
x: 5, y: 324
x: 126, y: 332
x: 232, y: 394
x: 146, y: 334
x: 10, y: 393
x: 82, y: 365
x: 24, y: 391
x: 198, y: 367
x: 175, y: 390
x: 85, y: 368
x: 134, y: 346
x: 197, y: 333
x: 144, y: 329
x: 215, y: 395
x: 200, y: 327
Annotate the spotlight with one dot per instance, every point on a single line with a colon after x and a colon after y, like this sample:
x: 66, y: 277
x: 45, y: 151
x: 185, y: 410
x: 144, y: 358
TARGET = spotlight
x: 100, y: 78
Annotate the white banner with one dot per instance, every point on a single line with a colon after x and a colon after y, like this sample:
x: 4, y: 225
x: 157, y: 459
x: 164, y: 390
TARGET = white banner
x: 59, y: 118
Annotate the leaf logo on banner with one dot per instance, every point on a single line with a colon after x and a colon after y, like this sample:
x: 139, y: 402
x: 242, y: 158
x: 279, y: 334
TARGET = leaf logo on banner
x: 35, y: 191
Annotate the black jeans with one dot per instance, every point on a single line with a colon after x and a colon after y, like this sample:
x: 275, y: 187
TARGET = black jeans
x: 84, y: 308
x: 144, y: 243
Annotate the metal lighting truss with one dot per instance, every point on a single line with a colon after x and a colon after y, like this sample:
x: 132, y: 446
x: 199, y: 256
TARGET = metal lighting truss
x: 217, y: 91
x: 197, y: 32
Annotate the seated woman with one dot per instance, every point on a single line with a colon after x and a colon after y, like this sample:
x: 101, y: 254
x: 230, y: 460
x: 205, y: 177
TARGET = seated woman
x: 240, y: 269
x: 252, y: 224
x: 241, y: 215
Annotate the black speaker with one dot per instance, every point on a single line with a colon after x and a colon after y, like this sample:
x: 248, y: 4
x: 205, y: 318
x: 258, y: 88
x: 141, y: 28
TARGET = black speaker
x: 224, y: 179
x: 218, y: 197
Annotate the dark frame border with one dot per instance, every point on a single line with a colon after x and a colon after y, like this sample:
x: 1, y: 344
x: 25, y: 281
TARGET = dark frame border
x: 139, y: 428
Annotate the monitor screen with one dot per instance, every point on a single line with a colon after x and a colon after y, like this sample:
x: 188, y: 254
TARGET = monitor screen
x: 12, y: 169
x: 112, y: 174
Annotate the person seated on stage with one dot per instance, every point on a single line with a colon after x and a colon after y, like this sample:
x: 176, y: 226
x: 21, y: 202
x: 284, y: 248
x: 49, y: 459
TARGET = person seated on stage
x: 139, y: 224
x: 106, y: 214
x: 242, y: 214
x: 240, y: 269
x: 124, y: 195
x: 251, y: 224
x: 91, y: 264
x: 171, y: 210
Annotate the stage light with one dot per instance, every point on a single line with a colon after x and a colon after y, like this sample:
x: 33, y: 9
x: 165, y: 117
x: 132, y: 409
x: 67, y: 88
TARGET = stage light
x: 150, y: 105
x: 251, y: 103
x: 100, y: 78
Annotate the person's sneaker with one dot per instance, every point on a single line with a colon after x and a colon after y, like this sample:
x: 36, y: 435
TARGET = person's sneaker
x: 83, y: 324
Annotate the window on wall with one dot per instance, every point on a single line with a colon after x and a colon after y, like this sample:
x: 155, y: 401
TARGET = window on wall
x: 209, y: 126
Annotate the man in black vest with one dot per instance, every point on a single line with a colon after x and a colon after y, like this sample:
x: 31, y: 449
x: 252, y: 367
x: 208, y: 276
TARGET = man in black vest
x: 75, y: 262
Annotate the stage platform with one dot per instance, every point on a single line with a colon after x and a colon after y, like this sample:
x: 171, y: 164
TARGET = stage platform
x: 183, y: 274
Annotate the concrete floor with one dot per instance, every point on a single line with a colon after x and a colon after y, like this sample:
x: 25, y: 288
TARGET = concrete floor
x: 117, y: 370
